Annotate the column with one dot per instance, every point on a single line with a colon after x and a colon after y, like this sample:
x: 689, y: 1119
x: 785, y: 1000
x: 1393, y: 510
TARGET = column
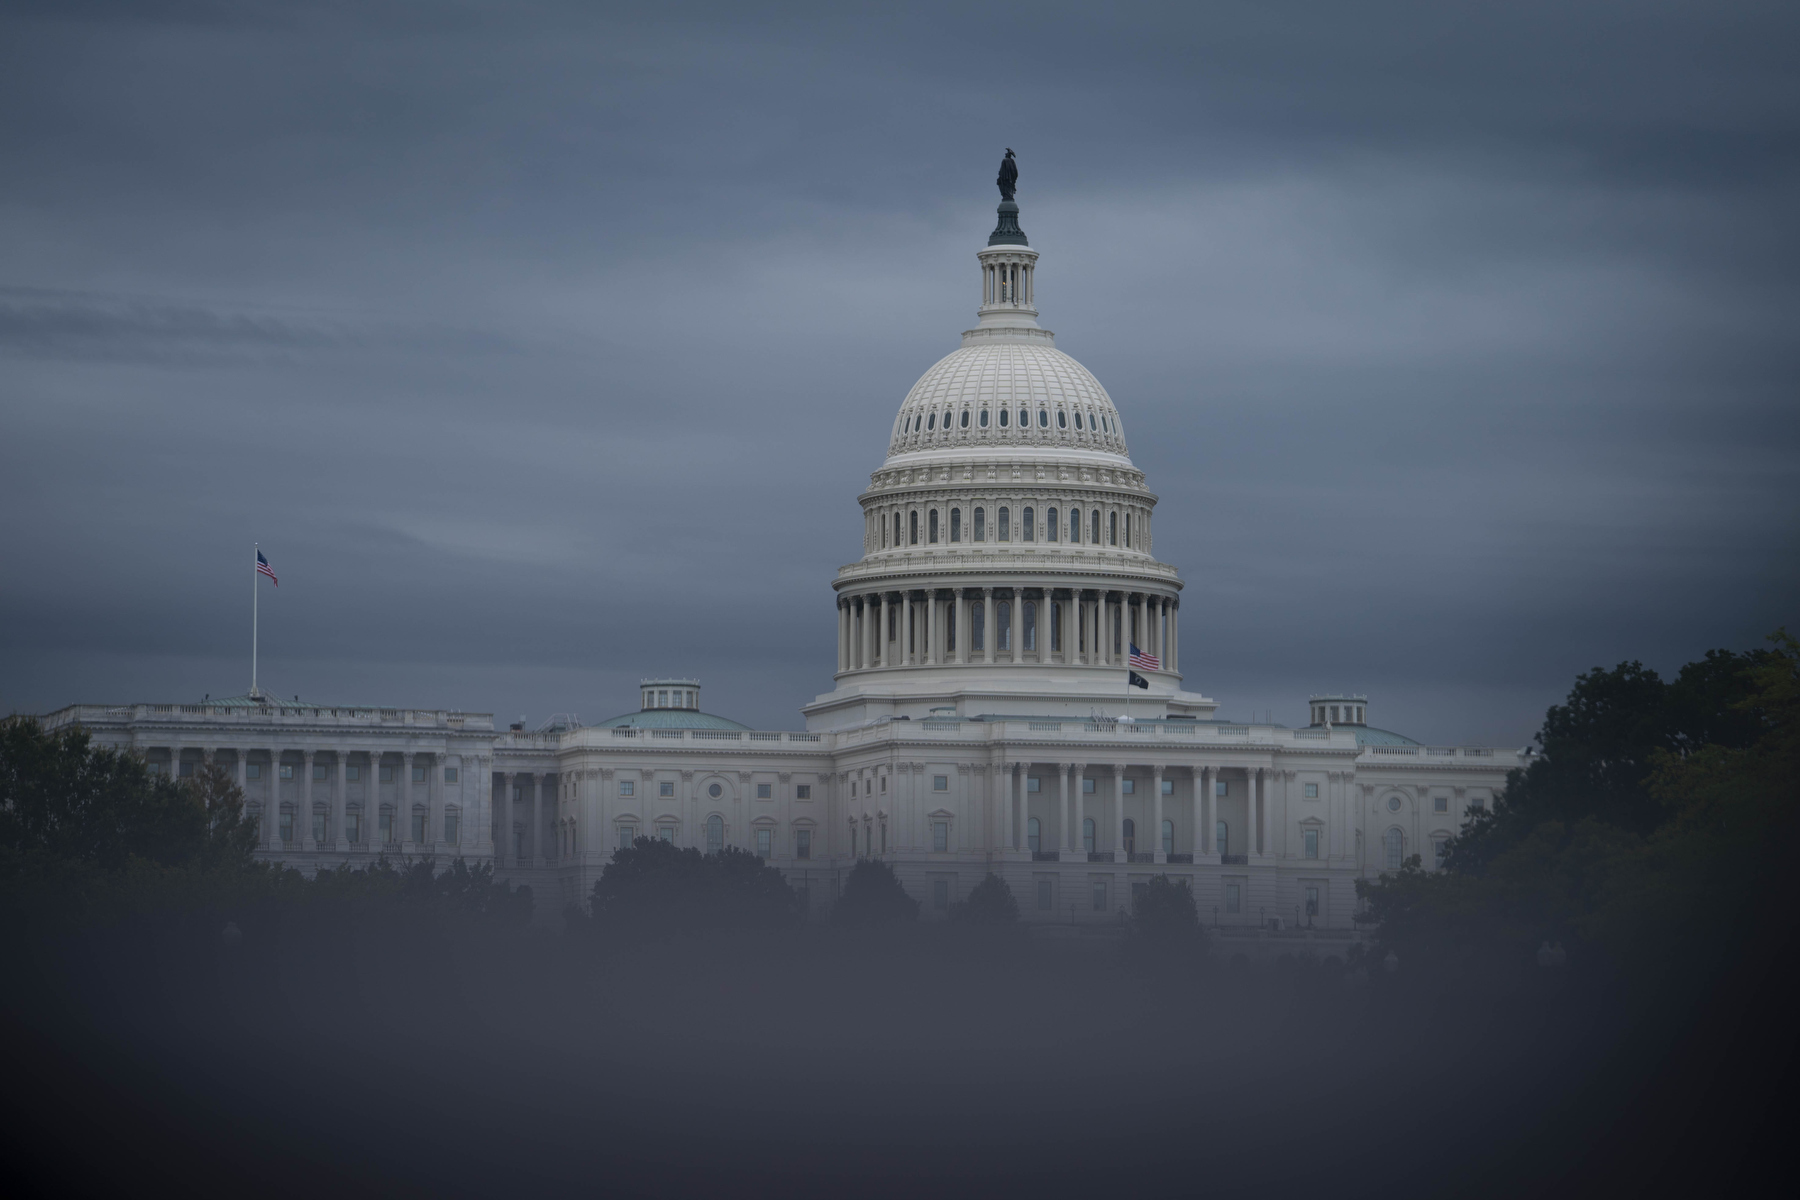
x: 537, y: 822
x: 1174, y: 663
x: 1018, y: 620
x: 1142, y: 612
x: 908, y: 636
x: 1118, y: 773
x: 1006, y: 807
x: 843, y: 607
x: 1263, y: 779
x: 1209, y: 822
x: 934, y: 605
x: 1253, y: 785
x: 403, y: 802
x: 1198, y: 840
x: 1071, y: 638
x: 962, y: 626
x: 1076, y: 845
x: 503, y: 815
x: 1156, y: 847
x: 1103, y: 622
x: 989, y: 634
x: 1045, y: 600
x: 303, y: 807
x: 340, y: 807
x: 877, y: 637
x: 1062, y: 808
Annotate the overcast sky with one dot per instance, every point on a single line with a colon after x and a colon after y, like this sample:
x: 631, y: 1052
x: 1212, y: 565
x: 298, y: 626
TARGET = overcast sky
x: 543, y: 347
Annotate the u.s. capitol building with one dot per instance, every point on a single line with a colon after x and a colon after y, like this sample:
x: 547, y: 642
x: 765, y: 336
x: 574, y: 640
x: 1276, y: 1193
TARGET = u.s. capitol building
x: 1007, y: 572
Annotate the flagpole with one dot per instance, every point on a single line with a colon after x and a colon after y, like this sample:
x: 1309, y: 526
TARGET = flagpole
x: 255, y: 596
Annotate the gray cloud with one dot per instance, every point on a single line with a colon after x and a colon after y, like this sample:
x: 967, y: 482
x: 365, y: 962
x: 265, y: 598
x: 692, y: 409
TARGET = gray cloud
x: 545, y: 346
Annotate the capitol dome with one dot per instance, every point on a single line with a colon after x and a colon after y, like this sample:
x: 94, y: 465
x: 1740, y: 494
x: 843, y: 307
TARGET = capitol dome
x: 999, y: 392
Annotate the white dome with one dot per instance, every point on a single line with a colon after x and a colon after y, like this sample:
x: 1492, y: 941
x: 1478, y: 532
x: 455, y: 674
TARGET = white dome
x: 945, y: 408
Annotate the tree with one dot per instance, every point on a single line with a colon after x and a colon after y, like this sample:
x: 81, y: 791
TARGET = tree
x: 1165, y: 912
x: 873, y: 896
x: 657, y: 886
x: 991, y: 903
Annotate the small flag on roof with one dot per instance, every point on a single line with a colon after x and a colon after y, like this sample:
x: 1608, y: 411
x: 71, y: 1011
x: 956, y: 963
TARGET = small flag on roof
x: 1148, y: 662
x: 1137, y: 680
x: 262, y: 568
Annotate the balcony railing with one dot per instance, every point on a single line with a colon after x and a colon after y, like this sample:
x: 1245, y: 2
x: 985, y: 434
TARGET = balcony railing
x: 1140, y: 856
x: 1234, y: 860
x: 1045, y: 856
x: 1099, y: 855
x: 1181, y: 858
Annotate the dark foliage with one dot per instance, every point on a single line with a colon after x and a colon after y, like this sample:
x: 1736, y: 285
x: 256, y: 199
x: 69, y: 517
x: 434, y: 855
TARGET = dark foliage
x: 873, y: 896
x: 658, y: 887
x: 990, y: 903
x: 1165, y: 912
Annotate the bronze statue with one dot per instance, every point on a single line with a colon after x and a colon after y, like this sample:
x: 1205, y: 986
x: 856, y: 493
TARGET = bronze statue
x: 1009, y: 175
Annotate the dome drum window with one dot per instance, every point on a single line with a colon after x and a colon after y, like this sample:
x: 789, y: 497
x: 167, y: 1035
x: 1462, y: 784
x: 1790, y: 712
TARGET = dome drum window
x: 984, y: 418
x: 1004, y: 414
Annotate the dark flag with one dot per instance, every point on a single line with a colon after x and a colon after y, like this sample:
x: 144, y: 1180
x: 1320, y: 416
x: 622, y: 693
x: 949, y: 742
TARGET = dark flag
x: 1137, y: 680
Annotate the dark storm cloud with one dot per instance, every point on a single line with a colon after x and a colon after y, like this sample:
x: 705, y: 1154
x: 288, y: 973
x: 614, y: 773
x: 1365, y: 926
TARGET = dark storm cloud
x: 546, y: 345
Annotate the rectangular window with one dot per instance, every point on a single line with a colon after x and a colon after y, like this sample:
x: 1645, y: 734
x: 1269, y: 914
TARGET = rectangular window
x: 1222, y: 788
x: 318, y: 827
x: 418, y: 775
x: 665, y: 833
x: 1046, y: 895
x: 287, y: 826
x: 765, y: 842
x: 1006, y: 525
x: 1476, y: 804
x: 1168, y: 787
x: 627, y: 835
x: 352, y: 773
x: 802, y: 843
x: 287, y: 771
x: 384, y: 824
x: 1099, y: 895
x: 940, y: 783
x: 1311, y: 837
x: 940, y: 894
x: 1312, y: 791
x: 1440, y: 804
x: 803, y: 791
x: 981, y: 524
x: 666, y: 788
x: 452, y: 827
x: 1440, y: 848
x: 932, y: 531
x: 1312, y: 901
x: 320, y: 771
x: 518, y: 792
x: 956, y: 524
x: 253, y: 771
x: 450, y: 774
x: 1033, y: 784
x: 418, y: 827
x: 1087, y: 787
x: 765, y: 791
x: 940, y: 836
x: 1075, y: 525
x: 1233, y: 901
x: 1050, y: 524
x: 627, y: 787
x: 1128, y: 787
x: 1027, y: 527
x: 353, y: 827
x: 387, y: 775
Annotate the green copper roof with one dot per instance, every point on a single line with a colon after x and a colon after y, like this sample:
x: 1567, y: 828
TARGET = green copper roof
x: 670, y: 718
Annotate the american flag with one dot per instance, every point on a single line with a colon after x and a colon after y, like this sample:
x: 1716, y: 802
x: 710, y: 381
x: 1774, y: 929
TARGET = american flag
x: 262, y: 568
x: 1147, y: 661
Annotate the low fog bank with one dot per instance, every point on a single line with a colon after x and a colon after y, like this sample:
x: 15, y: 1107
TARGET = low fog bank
x: 404, y: 1057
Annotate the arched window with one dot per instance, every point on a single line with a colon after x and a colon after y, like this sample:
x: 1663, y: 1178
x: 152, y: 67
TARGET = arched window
x: 1034, y: 834
x: 913, y: 526
x: 1128, y: 529
x: 1043, y: 418
x: 956, y: 524
x: 1029, y: 620
x: 453, y: 825
x: 1003, y: 621
x: 932, y: 530
x: 977, y: 626
x: 384, y: 827
x: 1056, y: 622
x: 418, y: 822
x: 1005, y: 525
x: 1087, y: 834
x: 965, y: 419
x: 1050, y: 524
x: 984, y: 418
x: 1075, y: 526
x: 1094, y: 529
x: 1062, y: 419
x: 1168, y: 837
x: 1027, y: 527
x: 1003, y: 417
x: 981, y: 524
x: 1112, y: 528
x: 898, y: 539
x: 1130, y: 836
x: 1395, y: 843
x: 715, y: 834
x: 1222, y: 836
x: 1440, y: 850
